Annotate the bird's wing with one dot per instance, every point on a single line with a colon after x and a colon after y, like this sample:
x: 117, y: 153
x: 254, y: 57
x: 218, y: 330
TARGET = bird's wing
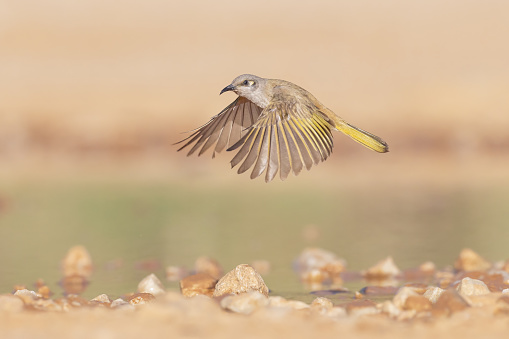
x: 290, y: 132
x: 225, y: 128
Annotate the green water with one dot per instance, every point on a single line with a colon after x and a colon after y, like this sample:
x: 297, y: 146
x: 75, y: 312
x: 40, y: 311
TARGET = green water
x: 125, y: 223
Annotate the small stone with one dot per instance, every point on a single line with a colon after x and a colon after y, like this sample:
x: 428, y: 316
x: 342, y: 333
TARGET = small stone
x: 44, y: 291
x: 245, y: 303
x: 278, y: 301
x: 468, y: 287
x: 450, y: 302
x: 197, y: 284
x: 11, y: 303
x: 261, y: 266
x: 505, y: 291
x: 47, y: 305
x: 358, y: 295
x: 433, y: 293
x: 417, y: 303
x: 403, y: 293
x: 140, y: 298
x: 101, y: 299
x: 120, y: 304
x: 428, y: 267
x: 321, y: 305
x: 208, y: 265
x: 151, y: 284
x: 379, y: 290
x: 316, y: 265
x: 469, y: 260
x: 389, y: 308
x: 28, y: 297
x: 502, y: 305
x: 176, y: 273
x: 383, y: 270
x: 77, y: 261
x: 241, y: 279
x: 74, y: 284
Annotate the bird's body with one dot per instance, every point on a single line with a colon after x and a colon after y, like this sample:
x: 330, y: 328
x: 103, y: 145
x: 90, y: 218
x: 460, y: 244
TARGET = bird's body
x: 278, y: 126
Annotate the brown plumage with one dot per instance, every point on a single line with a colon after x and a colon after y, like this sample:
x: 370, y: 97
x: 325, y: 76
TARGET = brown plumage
x: 277, y: 126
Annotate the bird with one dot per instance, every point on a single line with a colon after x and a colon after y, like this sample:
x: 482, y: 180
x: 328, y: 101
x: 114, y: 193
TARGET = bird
x: 276, y: 126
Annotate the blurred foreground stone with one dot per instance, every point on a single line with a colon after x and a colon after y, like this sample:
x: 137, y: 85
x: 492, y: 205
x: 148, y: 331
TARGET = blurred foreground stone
x: 240, y: 280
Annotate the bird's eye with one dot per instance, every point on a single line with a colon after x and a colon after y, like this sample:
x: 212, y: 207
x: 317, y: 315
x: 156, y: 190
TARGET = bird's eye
x: 245, y: 83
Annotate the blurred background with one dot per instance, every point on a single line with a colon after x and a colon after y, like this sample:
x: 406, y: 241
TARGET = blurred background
x: 94, y: 93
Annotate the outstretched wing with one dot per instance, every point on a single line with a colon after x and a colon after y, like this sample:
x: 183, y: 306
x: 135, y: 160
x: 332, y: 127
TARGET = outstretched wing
x: 289, y: 134
x: 226, y: 128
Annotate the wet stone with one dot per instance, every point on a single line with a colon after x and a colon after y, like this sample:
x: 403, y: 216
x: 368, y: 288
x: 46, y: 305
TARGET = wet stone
x: 198, y: 284
x: 241, y: 279
x: 468, y: 287
x: 450, y: 302
x: 140, y: 298
x: 379, y: 290
x: 151, y: 284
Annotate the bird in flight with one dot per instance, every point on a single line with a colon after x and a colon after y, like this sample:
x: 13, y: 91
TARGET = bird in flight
x: 276, y: 125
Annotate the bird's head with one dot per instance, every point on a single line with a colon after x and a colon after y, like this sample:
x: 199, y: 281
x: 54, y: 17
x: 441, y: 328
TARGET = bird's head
x: 248, y: 86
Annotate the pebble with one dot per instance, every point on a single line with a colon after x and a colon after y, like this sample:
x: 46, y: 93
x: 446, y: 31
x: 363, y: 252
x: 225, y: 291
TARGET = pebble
x: 197, y: 284
x: 433, y: 293
x: 383, y: 270
x: 245, y: 303
x: 140, y: 298
x: 321, y: 305
x: 121, y: 304
x: 502, y: 305
x: 74, y: 284
x: 316, y: 265
x: 417, y: 303
x: 469, y: 260
x: 151, y: 284
x: 11, y: 303
x: 389, y: 308
x: 505, y: 291
x: 241, y: 279
x: 208, y: 265
x: 77, y: 261
x: 468, y: 287
x: 450, y: 302
x: 28, y: 297
x: 361, y: 307
x: 102, y: 300
x: 403, y: 293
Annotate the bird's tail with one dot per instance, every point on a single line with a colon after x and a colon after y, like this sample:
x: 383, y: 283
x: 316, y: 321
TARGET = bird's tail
x: 369, y: 140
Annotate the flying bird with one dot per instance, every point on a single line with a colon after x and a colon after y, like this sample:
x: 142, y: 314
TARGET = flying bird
x: 276, y: 125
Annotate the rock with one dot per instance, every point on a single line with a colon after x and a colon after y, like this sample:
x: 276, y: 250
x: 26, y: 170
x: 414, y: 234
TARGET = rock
x: 336, y: 312
x: 502, y: 305
x: 389, y: 308
x: 140, y: 298
x: 245, y: 303
x: 417, y: 303
x: 321, y: 305
x: 469, y: 260
x: 77, y: 261
x: 176, y: 273
x: 74, y: 284
x: 403, y: 293
x: 361, y: 307
x: 379, y: 290
x: 151, y: 284
x: 282, y: 302
x: 208, y: 265
x: 316, y: 265
x: 428, y: 267
x: 11, y: 303
x: 101, y: 300
x: 505, y: 291
x: 383, y: 270
x: 241, y: 279
x: 196, y: 284
x: 358, y: 295
x: 468, y: 287
x: 450, y: 302
x: 433, y: 293
x: 28, y: 297
x: 261, y: 266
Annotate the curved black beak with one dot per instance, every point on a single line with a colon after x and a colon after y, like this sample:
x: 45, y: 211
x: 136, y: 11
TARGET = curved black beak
x: 227, y: 88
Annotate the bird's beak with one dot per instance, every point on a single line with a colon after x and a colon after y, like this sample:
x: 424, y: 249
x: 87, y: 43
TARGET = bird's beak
x: 227, y: 88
